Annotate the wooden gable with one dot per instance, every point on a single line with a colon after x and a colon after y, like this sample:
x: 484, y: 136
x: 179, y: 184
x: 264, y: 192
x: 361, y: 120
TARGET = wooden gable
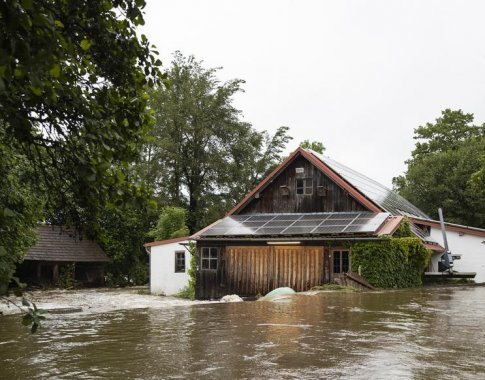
x: 300, y: 187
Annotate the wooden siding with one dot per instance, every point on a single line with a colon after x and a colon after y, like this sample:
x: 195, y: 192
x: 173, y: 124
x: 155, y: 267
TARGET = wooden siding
x: 272, y: 199
x: 252, y: 270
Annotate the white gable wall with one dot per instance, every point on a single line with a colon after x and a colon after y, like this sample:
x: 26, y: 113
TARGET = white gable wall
x: 163, y: 278
x: 471, y: 248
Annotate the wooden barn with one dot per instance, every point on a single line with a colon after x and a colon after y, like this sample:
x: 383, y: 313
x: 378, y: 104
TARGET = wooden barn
x: 55, y: 250
x: 291, y: 229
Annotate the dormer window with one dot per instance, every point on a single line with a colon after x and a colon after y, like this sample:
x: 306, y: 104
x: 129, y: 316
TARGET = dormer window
x: 304, y: 186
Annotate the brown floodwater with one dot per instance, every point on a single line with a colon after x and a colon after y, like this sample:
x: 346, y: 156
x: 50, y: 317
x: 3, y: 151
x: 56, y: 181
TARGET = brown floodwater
x: 428, y: 333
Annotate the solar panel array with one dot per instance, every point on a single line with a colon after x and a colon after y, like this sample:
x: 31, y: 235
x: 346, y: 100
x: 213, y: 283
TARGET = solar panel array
x: 332, y: 223
x: 384, y: 197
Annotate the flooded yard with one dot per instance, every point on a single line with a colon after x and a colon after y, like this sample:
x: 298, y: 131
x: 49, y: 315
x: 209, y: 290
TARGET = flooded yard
x: 419, y: 333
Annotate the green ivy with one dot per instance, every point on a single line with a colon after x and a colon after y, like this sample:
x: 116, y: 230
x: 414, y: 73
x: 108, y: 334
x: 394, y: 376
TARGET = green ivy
x: 189, y: 291
x: 391, y: 263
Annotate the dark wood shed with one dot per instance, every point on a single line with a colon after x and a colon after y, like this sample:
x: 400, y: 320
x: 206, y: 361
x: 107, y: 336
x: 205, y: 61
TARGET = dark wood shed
x: 59, y: 247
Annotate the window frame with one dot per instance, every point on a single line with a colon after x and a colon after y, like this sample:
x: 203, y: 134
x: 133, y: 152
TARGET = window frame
x: 306, y: 188
x: 209, y: 258
x: 178, y: 259
x: 341, y: 266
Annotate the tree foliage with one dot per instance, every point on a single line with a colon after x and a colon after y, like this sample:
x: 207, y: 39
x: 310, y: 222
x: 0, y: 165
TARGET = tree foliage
x: 172, y: 223
x: 444, y: 170
x: 73, y: 115
x: 316, y: 146
x: 72, y: 82
x: 202, y: 156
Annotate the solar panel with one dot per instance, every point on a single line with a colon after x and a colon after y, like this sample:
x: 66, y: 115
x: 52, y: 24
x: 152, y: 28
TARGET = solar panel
x: 297, y: 224
x: 378, y: 193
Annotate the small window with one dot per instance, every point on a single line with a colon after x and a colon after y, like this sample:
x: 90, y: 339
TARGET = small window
x: 179, y: 261
x: 340, y: 261
x: 209, y: 258
x: 304, y: 186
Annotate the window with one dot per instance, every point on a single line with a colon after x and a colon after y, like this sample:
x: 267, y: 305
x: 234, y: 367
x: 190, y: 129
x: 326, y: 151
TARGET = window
x: 304, y: 186
x: 179, y: 261
x: 209, y: 256
x: 340, y: 261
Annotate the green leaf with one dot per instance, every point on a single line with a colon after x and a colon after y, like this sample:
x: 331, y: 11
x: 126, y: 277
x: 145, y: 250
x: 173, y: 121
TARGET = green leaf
x: 8, y: 213
x: 55, y: 71
x: 26, y: 319
x: 85, y: 44
x: 36, y: 90
x: 3, y: 251
x: 58, y: 24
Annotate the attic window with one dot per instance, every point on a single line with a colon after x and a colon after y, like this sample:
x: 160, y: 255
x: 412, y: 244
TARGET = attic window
x: 304, y: 186
x: 299, y: 170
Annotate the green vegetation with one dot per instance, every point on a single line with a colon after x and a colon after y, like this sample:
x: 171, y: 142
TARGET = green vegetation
x: 335, y: 287
x: 66, y: 276
x: 171, y: 224
x: 316, y: 146
x: 447, y: 169
x: 200, y: 155
x: 189, y: 291
x: 392, y: 262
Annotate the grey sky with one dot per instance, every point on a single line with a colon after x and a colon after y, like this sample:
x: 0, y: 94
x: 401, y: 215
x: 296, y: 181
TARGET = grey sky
x: 357, y: 75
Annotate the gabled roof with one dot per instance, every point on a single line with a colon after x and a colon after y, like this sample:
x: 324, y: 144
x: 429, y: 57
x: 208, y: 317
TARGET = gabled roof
x: 60, y: 244
x: 352, y: 191
x: 385, y: 198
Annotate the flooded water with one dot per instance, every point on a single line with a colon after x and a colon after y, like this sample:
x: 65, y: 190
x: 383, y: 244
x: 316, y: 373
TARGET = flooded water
x: 428, y: 333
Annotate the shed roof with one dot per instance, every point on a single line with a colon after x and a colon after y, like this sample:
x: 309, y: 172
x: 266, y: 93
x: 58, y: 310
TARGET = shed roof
x: 61, y: 244
x: 167, y: 241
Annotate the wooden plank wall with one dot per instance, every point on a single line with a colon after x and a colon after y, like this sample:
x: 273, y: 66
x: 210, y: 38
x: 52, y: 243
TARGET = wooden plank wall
x: 273, y: 200
x: 253, y: 270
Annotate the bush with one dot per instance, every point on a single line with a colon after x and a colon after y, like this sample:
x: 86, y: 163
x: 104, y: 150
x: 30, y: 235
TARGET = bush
x: 391, y: 263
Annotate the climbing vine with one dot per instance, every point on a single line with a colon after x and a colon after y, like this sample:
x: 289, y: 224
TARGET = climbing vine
x: 189, y: 291
x: 391, y: 263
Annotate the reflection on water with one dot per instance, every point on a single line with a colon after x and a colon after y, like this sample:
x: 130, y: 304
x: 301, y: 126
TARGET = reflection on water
x: 425, y: 333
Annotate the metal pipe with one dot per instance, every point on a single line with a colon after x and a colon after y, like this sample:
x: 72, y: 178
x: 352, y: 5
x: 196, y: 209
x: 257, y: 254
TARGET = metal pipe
x: 447, y: 255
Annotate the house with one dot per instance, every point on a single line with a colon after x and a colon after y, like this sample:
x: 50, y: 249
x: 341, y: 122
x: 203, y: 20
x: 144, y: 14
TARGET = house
x: 291, y: 229
x: 169, y: 263
x: 55, y: 250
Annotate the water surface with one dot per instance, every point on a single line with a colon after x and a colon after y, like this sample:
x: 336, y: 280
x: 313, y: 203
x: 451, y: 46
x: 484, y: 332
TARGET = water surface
x: 426, y: 333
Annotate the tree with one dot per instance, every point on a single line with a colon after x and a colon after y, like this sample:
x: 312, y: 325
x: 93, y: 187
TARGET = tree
x: 442, y: 171
x: 72, y: 94
x: 171, y: 224
x: 316, y: 146
x: 201, y: 156
x: 73, y: 114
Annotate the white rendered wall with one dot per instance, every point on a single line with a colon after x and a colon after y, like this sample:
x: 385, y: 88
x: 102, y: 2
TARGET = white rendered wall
x: 163, y: 279
x: 470, y: 247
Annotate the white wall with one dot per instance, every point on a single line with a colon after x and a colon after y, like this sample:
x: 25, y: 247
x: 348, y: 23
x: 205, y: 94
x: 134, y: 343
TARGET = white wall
x: 470, y: 247
x: 163, y: 279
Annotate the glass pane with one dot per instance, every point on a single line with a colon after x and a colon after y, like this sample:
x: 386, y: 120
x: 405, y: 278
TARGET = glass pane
x: 205, y: 252
x: 336, y: 262
x: 213, y: 264
x: 213, y: 253
x: 205, y: 263
x: 345, y: 262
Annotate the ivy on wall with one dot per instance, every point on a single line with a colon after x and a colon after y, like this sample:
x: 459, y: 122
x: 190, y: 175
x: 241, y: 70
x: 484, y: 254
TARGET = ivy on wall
x: 391, y: 263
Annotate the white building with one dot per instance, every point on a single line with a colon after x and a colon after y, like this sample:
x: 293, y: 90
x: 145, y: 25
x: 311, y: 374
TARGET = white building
x: 469, y: 242
x: 169, y: 263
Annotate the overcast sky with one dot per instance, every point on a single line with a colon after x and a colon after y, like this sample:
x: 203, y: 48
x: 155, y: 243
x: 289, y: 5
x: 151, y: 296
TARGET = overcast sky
x: 357, y: 75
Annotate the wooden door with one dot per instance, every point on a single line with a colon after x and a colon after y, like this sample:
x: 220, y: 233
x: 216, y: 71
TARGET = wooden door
x: 260, y: 269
